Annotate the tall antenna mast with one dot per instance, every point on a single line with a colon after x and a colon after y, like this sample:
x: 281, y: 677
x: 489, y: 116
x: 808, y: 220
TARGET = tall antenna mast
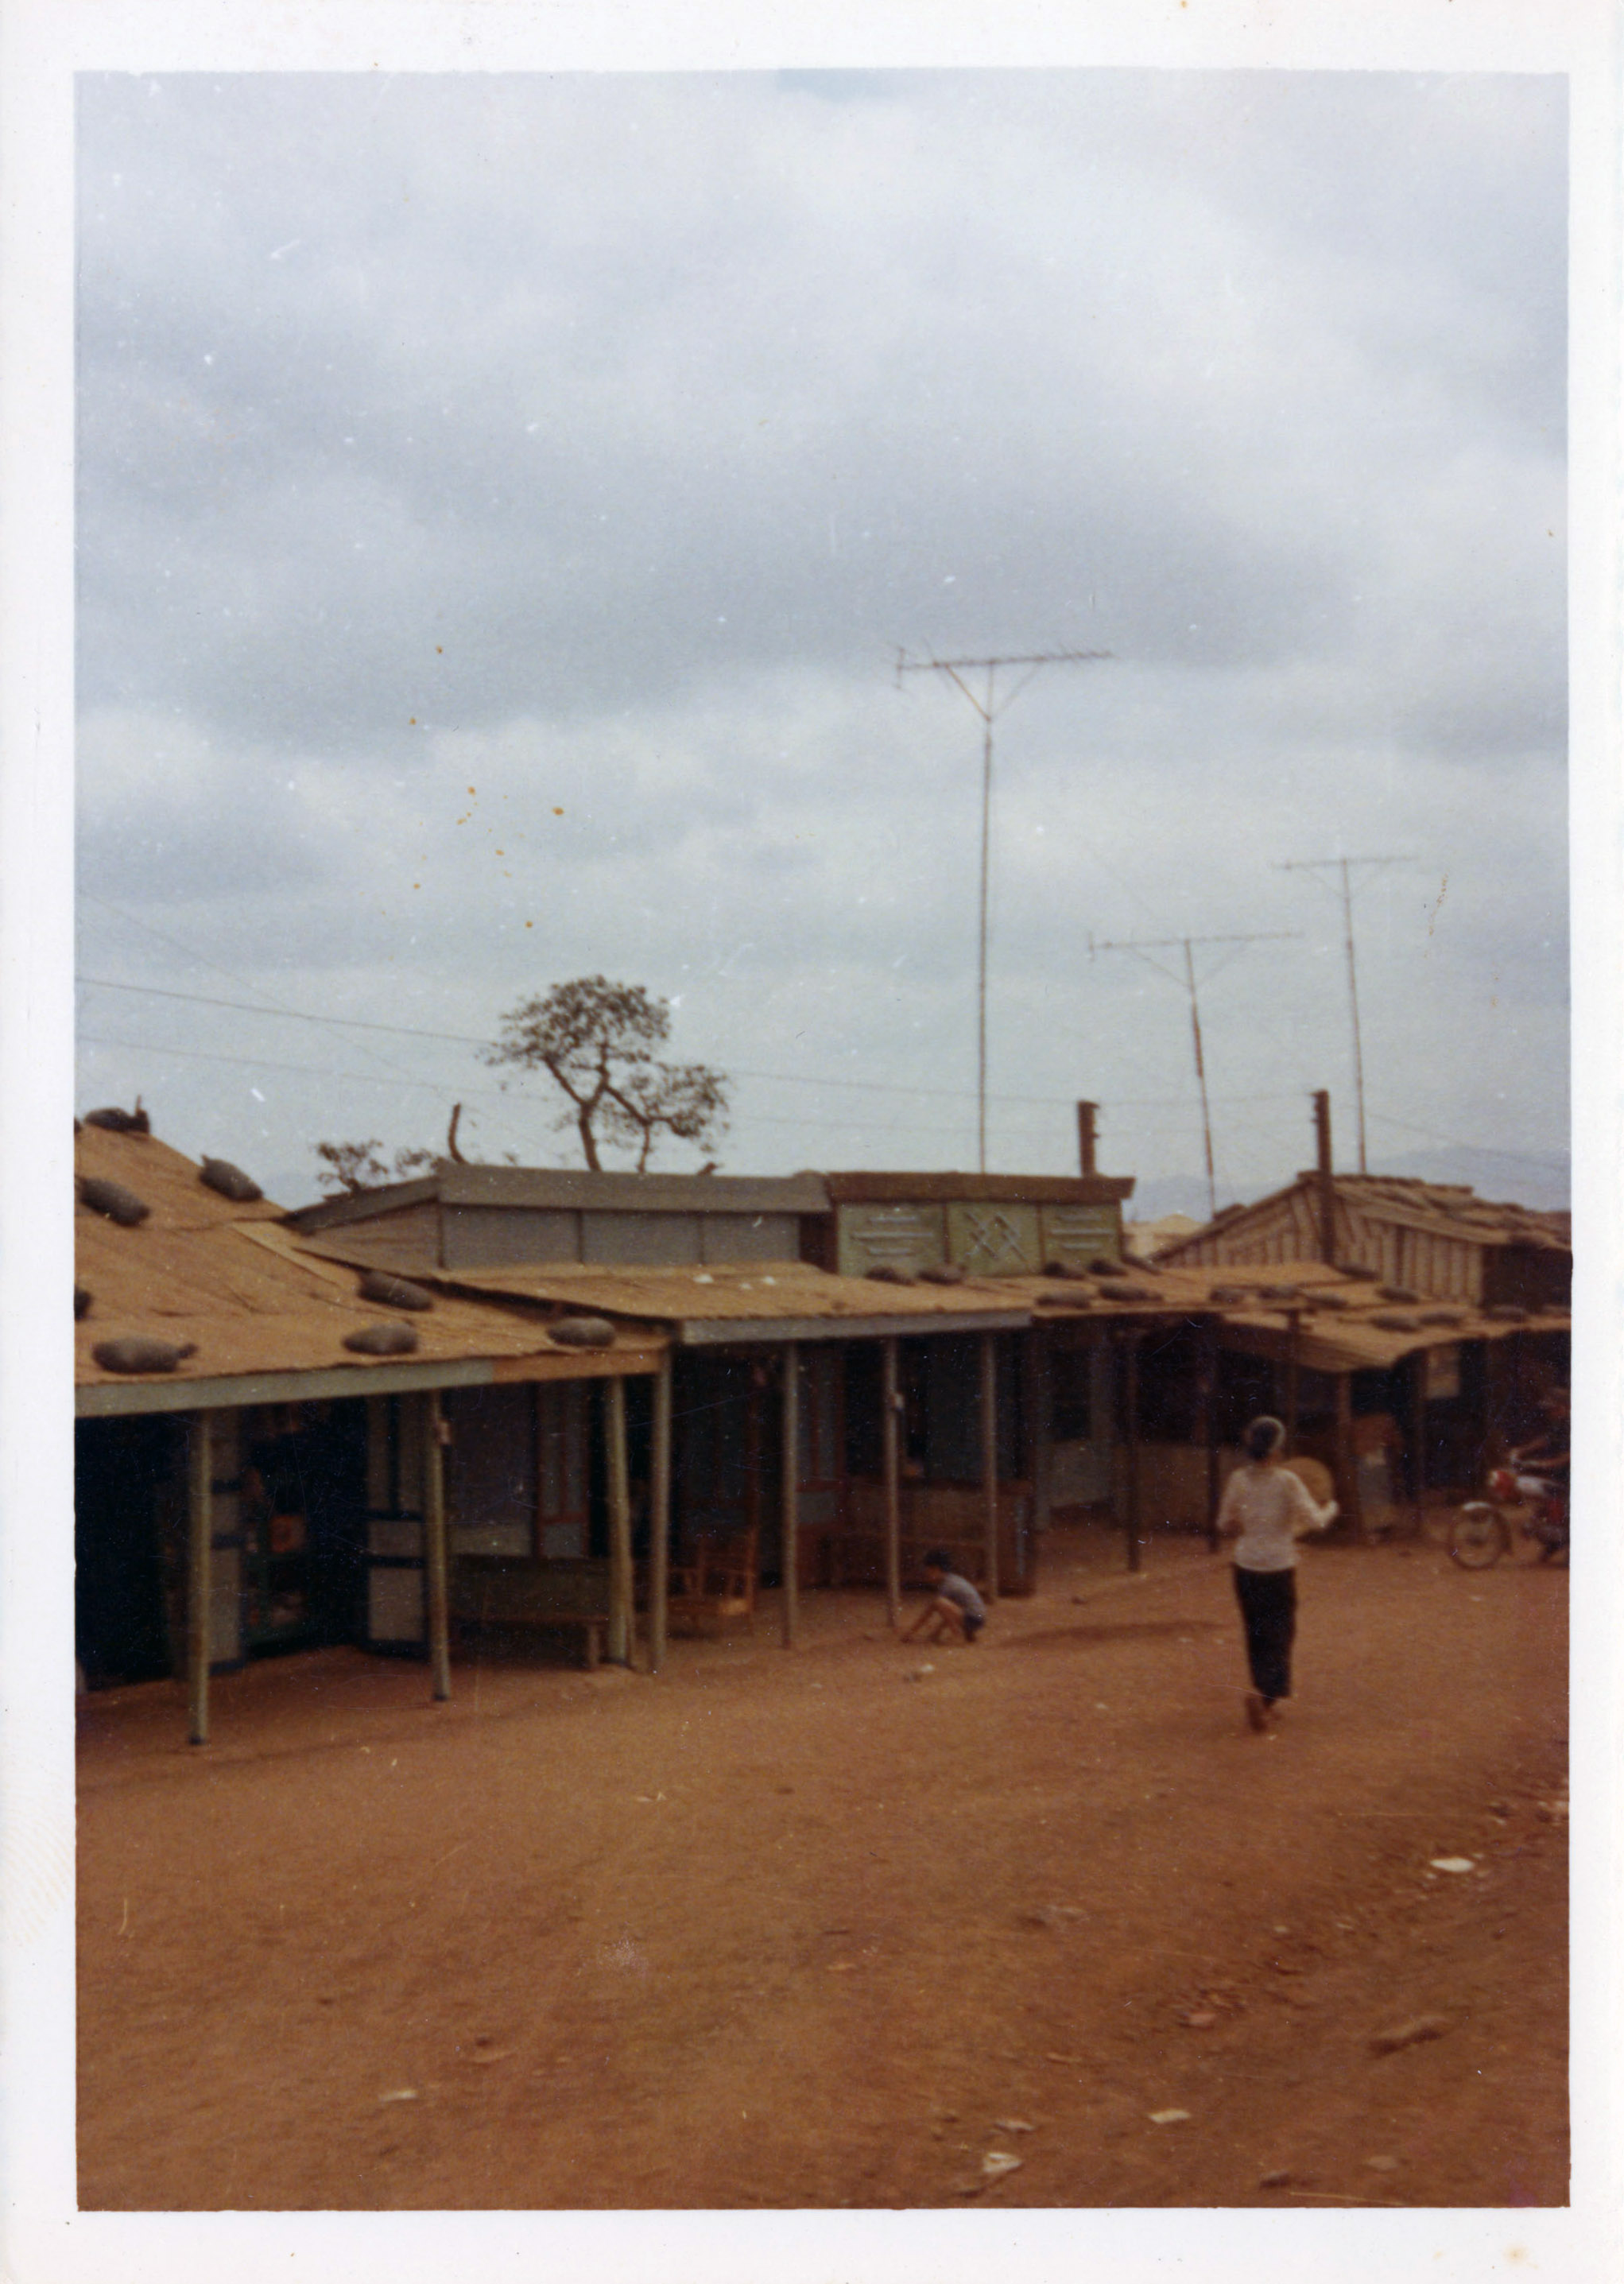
x: 1144, y: 946
x: 989, y: 708
x: 1342, y: 865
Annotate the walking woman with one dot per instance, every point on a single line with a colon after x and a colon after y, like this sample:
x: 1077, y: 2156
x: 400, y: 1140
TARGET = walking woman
x: 1265, y: 1509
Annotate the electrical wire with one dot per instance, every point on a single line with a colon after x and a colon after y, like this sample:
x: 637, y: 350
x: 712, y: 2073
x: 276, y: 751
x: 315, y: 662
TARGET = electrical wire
x: 433, y: 1086
x: 776, y: 1078
x: 1458, y: 1142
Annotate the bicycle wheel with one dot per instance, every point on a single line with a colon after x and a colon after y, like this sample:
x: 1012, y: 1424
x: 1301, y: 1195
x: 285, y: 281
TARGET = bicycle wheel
x: 1476, y: 1537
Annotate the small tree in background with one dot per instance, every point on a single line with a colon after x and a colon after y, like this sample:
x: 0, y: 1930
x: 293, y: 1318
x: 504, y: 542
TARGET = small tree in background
x: 348, y: 1168
x: 597, y: 1040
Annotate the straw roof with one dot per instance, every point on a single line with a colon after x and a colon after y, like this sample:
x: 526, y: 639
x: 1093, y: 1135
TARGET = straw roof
x: 229, y: 1279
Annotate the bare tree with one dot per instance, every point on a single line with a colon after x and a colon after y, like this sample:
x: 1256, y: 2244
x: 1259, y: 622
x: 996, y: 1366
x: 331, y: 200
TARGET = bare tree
x: 348, y: 1168
x: 597, y: 1040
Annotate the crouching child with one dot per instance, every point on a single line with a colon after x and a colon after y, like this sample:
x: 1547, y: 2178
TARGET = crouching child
x: 954, y: 1612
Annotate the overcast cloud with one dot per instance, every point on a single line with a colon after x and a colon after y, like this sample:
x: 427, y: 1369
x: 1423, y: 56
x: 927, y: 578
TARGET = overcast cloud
x: 502, y: 500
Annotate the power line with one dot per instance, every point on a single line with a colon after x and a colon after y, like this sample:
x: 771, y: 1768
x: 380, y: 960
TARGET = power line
x: 989, y: 708
x: 291, y: 1014
x: 203, y: 961
x: 776, y: 1079
x: 439, y: 1087
x: 1458, y: 1142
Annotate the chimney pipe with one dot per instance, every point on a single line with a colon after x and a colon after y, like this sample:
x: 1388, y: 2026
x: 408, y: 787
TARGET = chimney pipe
x: 1326, y: 1179
x: 1087, y: 1113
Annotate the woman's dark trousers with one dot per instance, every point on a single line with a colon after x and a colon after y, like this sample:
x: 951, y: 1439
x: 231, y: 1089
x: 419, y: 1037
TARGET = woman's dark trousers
x: 1269, y: 1612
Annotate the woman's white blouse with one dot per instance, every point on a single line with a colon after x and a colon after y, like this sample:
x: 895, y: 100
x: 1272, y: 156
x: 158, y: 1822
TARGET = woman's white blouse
x: 1272, y: 1508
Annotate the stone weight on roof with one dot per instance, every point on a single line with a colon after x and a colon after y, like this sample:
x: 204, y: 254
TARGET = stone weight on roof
x: 113, y: 1201
x: 136, y: 1352
x: 392, y: 1292
x: 229, y: 1181
x: 382, y: 1340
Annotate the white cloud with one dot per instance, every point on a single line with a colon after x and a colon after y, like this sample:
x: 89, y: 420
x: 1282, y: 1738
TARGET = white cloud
x: 592, y: 443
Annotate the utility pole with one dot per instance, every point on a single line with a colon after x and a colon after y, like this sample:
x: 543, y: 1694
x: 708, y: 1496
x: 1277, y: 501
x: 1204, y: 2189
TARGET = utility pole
x: 1088, y: 1137
x: 989, y: 708
x: 1144, y: 946
x: 1325, y: 1181
x: 1342, y: 865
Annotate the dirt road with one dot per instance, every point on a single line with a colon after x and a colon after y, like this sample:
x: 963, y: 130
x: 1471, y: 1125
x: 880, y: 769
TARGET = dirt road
x: 820, y: 1928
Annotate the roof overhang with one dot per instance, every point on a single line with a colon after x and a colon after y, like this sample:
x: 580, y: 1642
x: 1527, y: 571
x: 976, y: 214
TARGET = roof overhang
x: 713, y: 1331
x: 121, y: 1400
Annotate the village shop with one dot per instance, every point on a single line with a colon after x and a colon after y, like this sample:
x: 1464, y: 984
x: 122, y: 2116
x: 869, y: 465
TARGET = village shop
x: 264, y: 1438
x: 866, y: 1322
x: 1401, y: 1401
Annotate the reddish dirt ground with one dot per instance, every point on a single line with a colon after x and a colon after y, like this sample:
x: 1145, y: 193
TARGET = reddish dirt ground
x: 806, y: 1930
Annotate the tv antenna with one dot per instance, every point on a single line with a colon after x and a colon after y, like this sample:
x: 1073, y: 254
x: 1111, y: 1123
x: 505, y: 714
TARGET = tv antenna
x: 989, y: 707
x: 1343, y: 866
x: 1144, y: 946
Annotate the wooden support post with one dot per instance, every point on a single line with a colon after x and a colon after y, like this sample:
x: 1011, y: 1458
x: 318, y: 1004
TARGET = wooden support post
x: 1489, y: 1439
x: 789, y: 1503
x: 990, y: 1459
x: 1325, y: 1180
x: 199, y: 1566
x: 1087, y: 1114
x: 1500, y: 1384
x: 1130, y: 1425
x: 1040, y: 1443
x: 1210, y: 1428
x: 659, y: 1518
x: 890, y: 1426
x: 434, y: 1557
x: 1347, y: 1462
x: 1417, y: 1437
x: 1294, y: 1359
x: 621, y: 1629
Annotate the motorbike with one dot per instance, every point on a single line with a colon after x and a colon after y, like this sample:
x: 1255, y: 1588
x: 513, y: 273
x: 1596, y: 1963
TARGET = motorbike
x: 1519, y: 1507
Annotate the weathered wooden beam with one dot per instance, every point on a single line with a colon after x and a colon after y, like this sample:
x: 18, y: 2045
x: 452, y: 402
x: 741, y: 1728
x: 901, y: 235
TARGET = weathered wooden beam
x: 114, y: 1400
x: 789, y: 1503
x: 1417, y: 1437
x: 436, y: 1577
x: 743, y: 1332
x: 1130, y: 1428
x: 1293, y: 1368
x: 199, y: 1566
x: 621, y: 1624
x: 990, y: 1459
x: 1210, y: 1369
x: 659, y: 1518
x: 1347, y: 1465
x: 891, y: 1438
x: 1040, y: 1440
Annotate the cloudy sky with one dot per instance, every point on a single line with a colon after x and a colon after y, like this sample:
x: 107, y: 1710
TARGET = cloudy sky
x: 502, y: 501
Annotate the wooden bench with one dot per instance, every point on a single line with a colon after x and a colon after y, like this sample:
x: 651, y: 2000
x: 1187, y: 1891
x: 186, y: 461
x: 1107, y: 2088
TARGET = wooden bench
x: 564, y: 1597
x: 715, y: 1580
x: 951, y: 1516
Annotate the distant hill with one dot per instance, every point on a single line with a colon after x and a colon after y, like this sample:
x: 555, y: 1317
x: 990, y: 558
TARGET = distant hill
x: 1538, y: 1183
x: 1184, y: 1194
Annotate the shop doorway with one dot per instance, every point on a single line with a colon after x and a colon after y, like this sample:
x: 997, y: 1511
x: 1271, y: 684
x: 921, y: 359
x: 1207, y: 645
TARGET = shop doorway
x: 302, y: 1508
x: 126, y: 1475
